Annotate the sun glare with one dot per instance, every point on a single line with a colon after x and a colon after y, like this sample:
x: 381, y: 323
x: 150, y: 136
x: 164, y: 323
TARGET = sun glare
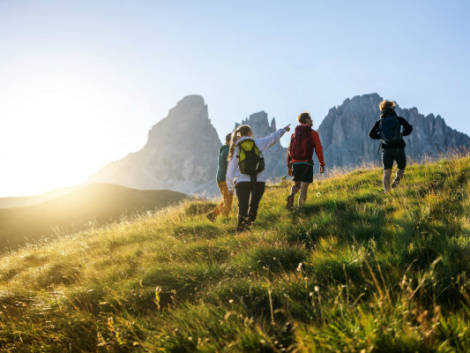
x: 54, y: 131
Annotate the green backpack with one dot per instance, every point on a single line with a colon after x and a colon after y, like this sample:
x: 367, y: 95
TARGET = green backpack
x: 250, y: 159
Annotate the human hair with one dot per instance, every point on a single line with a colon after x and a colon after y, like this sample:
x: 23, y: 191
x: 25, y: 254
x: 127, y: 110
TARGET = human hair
x: 228, y: 137
x: 242, y: 130
x: 386, y: 104
x: 304, y: 117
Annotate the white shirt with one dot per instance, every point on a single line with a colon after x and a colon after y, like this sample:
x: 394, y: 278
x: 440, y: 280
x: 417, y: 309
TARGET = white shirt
x: 233, y: 171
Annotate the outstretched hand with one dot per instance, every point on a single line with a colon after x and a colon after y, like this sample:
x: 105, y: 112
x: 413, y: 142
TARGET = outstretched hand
x: 287, y: 128
x: 322, y: 169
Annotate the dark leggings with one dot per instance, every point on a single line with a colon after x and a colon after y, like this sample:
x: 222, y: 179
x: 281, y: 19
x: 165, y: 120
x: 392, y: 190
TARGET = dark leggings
x: 248, y: 201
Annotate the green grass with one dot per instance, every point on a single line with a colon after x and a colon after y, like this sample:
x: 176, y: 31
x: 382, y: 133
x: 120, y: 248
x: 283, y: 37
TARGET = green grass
x: 355, y: 270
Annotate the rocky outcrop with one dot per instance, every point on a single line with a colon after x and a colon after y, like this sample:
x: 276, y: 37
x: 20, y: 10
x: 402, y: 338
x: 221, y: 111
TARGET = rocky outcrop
x: 344, y: 133
x: 180, y: 154
x: 275, y: 157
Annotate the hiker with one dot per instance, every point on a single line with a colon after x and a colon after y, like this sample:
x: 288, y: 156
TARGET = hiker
x: 300, y: 158
x: 389, y: 129
x: 226, y: 204
x: 245, y: 171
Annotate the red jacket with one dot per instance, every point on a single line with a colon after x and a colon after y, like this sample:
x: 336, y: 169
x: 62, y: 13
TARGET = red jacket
x: 318, y: 150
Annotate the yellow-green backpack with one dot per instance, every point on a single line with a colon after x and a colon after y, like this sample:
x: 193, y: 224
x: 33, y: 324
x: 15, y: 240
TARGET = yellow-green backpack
x: 250, y: 159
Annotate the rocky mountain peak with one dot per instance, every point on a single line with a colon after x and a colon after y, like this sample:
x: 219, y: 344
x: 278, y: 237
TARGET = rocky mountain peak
x: 191, y: 100
x: 189, y: 108
x: 259, y: 124
x: 180, y: 153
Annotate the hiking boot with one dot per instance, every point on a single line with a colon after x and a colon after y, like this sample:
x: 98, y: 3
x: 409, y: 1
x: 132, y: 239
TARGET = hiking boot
x: 211, y: 217
x: 243, y: 224
x: 242, y: 228
x: 290, y: 202
x: 398, y: 178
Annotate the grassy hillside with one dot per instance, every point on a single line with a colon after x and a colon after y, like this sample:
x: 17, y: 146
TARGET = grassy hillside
x: 93, y: 204
x: 21, y: 201
x: 354, y: 271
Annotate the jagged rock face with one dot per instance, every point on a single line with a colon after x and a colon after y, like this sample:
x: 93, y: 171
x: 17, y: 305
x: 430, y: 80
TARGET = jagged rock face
x: 180, y: 154
x: 345, y: 133
x: 275, y: 157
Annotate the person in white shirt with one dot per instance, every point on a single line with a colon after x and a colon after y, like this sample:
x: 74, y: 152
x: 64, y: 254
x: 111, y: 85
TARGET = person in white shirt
x: 249, y: 193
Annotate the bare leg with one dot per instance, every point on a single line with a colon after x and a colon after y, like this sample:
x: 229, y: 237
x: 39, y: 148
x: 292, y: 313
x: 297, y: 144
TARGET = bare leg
x: 303, y: 193
x: 294, y: 190
x: 399, y: 176
x: 387, y: 177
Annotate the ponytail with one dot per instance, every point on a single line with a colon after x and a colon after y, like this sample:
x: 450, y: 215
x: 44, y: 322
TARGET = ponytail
x: 242, y: 130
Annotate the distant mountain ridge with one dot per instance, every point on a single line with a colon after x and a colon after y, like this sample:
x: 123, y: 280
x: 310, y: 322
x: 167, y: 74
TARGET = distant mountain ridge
x: 345, y: 130
x: 181, y: 151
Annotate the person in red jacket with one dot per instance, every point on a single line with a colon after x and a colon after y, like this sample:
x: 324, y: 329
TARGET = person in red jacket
x: 300, y: 158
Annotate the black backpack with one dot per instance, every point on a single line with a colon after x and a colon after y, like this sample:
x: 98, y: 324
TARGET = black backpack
x: 250, y: 159
x: 390, y: 129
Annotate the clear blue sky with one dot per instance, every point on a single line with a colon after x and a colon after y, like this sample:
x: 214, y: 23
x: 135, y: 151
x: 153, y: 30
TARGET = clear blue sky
x: 81, y: 82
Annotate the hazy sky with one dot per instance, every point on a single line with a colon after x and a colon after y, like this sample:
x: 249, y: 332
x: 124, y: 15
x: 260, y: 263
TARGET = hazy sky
x: 81, y: 82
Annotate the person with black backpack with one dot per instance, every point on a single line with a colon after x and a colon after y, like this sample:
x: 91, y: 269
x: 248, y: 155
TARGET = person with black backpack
x: 300, y: 158
x: 245, y: 171
x: 389, y: 129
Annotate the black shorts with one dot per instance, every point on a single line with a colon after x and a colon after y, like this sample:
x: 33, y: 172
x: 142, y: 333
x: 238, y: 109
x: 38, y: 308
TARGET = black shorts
x: 389, y: 155
x: 302, y: 172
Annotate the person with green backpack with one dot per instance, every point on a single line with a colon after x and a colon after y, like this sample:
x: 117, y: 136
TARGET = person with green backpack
x: 388, y: 129
x: 245, y: 171
x: 226, y: 204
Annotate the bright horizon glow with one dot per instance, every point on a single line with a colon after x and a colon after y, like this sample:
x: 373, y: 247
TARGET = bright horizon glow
x: 81, y: 83
x: 61, y: 125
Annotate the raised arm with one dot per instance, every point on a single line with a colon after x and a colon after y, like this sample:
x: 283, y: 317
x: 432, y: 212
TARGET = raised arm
x: 265, y: 142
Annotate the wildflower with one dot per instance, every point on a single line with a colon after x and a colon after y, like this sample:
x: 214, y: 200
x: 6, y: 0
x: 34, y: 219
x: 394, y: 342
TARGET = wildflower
x: 299, y: 267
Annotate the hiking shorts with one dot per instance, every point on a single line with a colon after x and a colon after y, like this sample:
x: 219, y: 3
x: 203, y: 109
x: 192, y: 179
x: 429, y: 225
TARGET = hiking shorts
x: 389, y: 155
x: 302, y: 172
